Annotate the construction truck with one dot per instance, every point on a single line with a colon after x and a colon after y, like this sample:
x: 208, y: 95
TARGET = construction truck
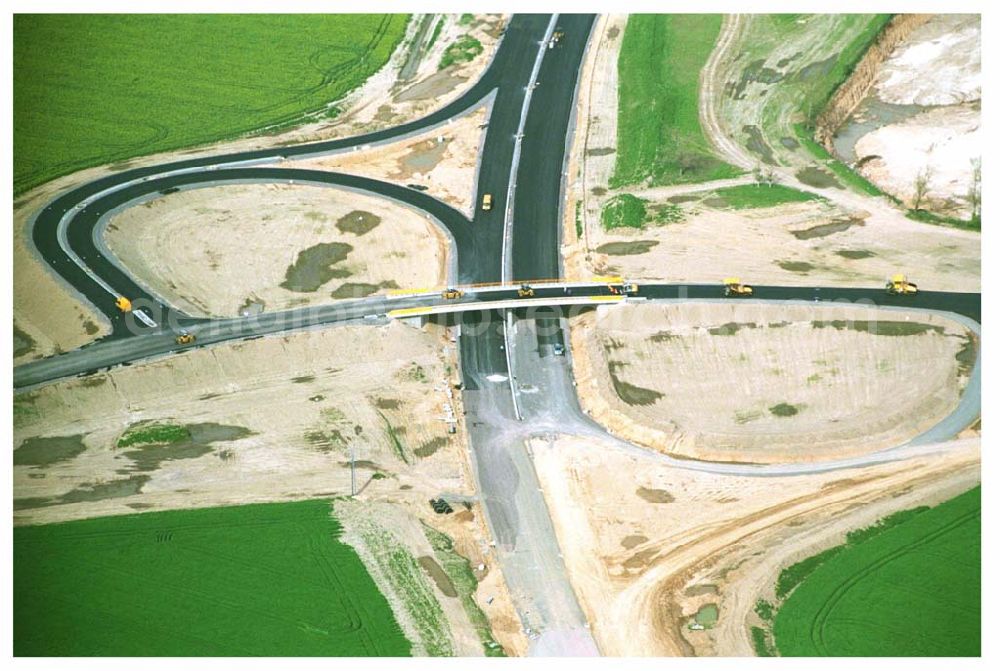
x: 525, y: 291
x: 898, y: 285
x: 184, y: 338
x: 123, y: 304
x: 736, y: 288
x: 630, y: 288
x: 556, y: 36
x: 487, y: 202
x: 451, y: 294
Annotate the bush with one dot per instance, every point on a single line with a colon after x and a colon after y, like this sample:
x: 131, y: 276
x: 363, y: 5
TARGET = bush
x: 623, y: 211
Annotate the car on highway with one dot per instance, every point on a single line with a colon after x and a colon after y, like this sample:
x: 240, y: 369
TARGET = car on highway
x: 487, y: 202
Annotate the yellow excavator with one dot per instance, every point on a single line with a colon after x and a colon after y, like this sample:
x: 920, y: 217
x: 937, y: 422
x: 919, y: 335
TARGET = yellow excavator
x: 184, y: 338
x: 736, y: 288
x: 123, y: 304
x: 525, y: 291
x: 898, y: 285
x: 451, y: 294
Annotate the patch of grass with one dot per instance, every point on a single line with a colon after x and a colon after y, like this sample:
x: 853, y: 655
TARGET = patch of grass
x: 660, y: 139
x: 791, y: 576
x: 930, y: 218
x: 91, y: 89
x: 464, y: 581
x: 623, y: 211
x: 256, y: 580
x: 761, y: 642
x: 764, y: 609
x: 752, y: 196
x: 397, y: 445
x: 784, y: 410
x: 408, y: 581
x: 666, y: 213
x: 436, y: 32
x: 23, y: 343
x: 907, y: 587
x: 838, y: 167
x: 431, y: 446
x: 161, y: 434
x: 462, y: 50
x: 579, y: 219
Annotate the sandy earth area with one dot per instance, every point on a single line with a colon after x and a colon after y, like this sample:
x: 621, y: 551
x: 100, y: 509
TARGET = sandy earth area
x: 592, y: 154
x: 215, y: 251
x: 279, y: 414
x: 796, y: 244
x: 63, y: 321
x: 775, y: 384
x: 938, y: 68
x: 442, y: 162
x: 647, y: 544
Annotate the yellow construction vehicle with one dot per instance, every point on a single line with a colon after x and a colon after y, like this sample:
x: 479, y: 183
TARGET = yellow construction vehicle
x: 898, y: 285
x: 631, y: 288
x: 525, y: 291
x: 736, y: 288
x: 487, y: 202
x: 184, y: 338
x: 451, y: 294
x: 123, y: 304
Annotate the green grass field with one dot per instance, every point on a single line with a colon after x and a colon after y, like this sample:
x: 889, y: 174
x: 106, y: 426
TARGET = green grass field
x: 267, y: 579
x: 752, y: 196
x: 909, y: 589
x: 659, y: 134
x: 94, y: 89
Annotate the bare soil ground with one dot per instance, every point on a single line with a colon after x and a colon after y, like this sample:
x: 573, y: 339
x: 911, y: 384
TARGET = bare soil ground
x: 219, y: 250
x: 768, y: 384
x: 815, y: 242
x: 647, y: 545
x: 442, y: 162
x: 56, y: 319
x: 272, y: 419
x: 938, y: 68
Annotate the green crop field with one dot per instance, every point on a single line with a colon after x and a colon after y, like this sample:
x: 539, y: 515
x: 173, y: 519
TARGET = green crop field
x: 659, y: 134
x: 267, y: 579
x: 912, y: 589
x: 94, y: 89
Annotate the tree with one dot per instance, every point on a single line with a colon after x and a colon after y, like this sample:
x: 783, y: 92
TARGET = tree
x: 975, y: 195
x: 920, y: 184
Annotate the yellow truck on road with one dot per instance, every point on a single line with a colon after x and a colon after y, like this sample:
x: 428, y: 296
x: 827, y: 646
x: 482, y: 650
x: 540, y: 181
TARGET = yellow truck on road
x: 736, y: 288
x: 898, y: 285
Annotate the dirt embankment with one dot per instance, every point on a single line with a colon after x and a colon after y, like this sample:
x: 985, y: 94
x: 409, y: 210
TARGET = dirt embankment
x: 223, y: 250
x: 269, y: 420
x: 917, y: 135
x: 668, y: 561
x: 856, y: 87
x: 771, y: 384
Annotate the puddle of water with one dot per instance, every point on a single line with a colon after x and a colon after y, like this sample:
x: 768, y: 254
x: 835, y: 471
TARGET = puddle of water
x: 314, y: 267
x: 46, y: 451
x: 871, y: 115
